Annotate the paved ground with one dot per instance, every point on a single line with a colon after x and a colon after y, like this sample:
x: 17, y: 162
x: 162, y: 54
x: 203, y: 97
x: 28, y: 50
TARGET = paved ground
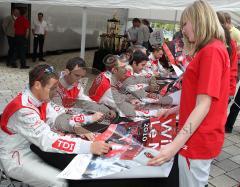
x: 225, y: 171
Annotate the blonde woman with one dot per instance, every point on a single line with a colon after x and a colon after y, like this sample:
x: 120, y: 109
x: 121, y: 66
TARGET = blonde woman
x: 204, y: 99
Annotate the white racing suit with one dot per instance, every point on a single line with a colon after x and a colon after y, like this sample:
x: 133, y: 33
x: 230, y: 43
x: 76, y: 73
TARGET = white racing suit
x: 105, y: 89
x: 154, y: 67
x: 74, y: 98
x: 30, y: 124
x: 138, y: 84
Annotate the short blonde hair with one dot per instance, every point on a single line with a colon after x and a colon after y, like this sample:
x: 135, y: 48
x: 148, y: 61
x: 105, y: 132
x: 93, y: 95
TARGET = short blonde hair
x: 205, y: 23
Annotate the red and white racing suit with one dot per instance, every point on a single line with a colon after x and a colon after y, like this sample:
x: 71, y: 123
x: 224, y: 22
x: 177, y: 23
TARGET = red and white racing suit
x: 27, y: 121
x: 154, y: 67
x: 74, y: 98
x: 105, y: 89
x: 138, y: 84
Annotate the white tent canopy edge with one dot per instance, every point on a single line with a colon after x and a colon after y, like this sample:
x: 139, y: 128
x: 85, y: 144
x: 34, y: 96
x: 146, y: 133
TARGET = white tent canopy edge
x: 227, y: 5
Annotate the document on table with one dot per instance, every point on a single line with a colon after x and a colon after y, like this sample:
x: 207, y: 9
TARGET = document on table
x: 177, y: 70
x: 176, y: 97
x: 76, y: 168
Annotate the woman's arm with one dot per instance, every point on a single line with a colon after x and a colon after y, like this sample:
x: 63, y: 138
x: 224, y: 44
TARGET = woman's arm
x: 196, y: 117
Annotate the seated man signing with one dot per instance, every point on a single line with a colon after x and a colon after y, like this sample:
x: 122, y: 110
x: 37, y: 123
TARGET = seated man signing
x: 70, y: 93
x: 139, y: 84
x: 105, y: 89
x: 26, y: 120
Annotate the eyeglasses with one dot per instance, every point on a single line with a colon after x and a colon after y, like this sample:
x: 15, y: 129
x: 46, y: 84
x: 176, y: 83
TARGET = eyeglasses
x: 47, y: 70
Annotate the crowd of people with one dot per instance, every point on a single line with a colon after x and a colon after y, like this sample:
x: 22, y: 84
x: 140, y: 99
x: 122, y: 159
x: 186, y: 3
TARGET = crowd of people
x: 42, y: 127
x: 17, y: 29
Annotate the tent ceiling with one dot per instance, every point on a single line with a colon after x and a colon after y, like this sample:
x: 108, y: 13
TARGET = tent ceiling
x: 169, y: 15
x: 227, y: 5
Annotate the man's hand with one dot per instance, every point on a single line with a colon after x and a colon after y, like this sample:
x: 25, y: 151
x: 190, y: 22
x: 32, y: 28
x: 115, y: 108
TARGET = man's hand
x: 98, y: 116
x: 154, y: 88
x: 90, y: 136
x: 135, y: 102
x: 166, y: 112
x: 79, y: 130
x: 111, y: 114
x: 99, y: 148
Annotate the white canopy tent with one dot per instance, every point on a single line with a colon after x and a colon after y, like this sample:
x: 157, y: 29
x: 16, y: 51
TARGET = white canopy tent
x: 227, y: 5
x: 171, y: 15
x: 152, y: 9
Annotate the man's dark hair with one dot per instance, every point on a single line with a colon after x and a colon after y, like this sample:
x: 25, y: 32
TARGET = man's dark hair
x: 40, y: 14
x: 110, y: 61
x: 136, y: 20
x: 123, y: 58
x: 15, y: 8
x: 157, y: 48
x: 145, y: 22
x: 22, y: 11
x: 223, y: 21
x: 137, y: 48
x: 76, y: 61
x: 42, y: 73
x: 227, y: 17
x: 138, y: 57
x: 129, y: 52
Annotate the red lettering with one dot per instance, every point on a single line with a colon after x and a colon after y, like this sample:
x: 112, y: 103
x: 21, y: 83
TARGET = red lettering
x: 56, y: 108
x: 148, y: 75
x: 79, y: 118
x: 145, y: 111
x: 64, y: 145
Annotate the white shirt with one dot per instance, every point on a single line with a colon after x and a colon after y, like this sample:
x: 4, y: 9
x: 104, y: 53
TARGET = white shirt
x: 40, y: 27
x: 146, y: 33
x: 136, y: 34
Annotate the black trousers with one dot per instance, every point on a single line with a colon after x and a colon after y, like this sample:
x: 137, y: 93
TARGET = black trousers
x: 11, y: 43
x: 234, y: 110
x: 20, y: 49
x: 60, y: 161
x: 38, y: 42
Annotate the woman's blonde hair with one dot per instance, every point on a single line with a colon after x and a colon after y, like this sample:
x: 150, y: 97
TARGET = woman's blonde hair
x: 205, y: 25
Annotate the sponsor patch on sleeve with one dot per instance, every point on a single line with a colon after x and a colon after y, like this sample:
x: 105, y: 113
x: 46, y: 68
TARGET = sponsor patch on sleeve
x: 79, y: 118
x: 64, y: 145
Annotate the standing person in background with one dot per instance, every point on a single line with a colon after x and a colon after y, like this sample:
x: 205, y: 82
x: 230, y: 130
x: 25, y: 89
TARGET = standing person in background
x: 146, y: 22
x: 8, y: 29
x: 39, y: 32
x: 234, y: 110
x: 234, y: 32
x: 146, y: 34
x: 232, y: 52
x: 21, y: 26
x: 235, y: 35
x: 135, y: 35
x: 204, y: 98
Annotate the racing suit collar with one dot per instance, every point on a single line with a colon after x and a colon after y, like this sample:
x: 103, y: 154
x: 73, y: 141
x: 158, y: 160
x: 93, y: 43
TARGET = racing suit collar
x: 31, y: 99
x: 151, y: 57
x: 108, y: 74
x: 64, y: 83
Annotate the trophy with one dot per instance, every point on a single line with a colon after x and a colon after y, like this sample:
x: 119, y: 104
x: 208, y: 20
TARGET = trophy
x: 112, y: 40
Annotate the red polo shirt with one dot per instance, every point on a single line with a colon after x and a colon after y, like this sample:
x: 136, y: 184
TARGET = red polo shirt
x: 234, y: 68
x: 208, y: 74
x: 21, y: 25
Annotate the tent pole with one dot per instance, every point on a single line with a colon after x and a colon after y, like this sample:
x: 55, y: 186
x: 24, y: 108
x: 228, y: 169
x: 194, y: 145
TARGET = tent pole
x: 126, y: 20
x: 84, y: 27
x: 175, y: 21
